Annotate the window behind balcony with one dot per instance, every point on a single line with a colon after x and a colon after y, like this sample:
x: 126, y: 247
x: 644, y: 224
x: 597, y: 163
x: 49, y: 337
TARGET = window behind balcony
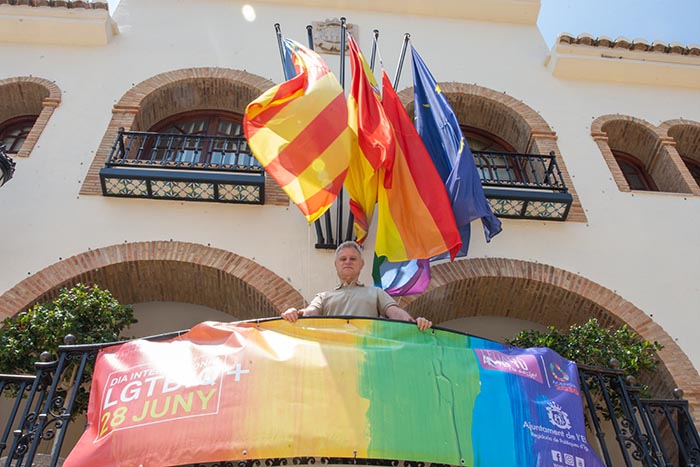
x: 203, y: 138
x: 489, y: 157
x: 14, y: 132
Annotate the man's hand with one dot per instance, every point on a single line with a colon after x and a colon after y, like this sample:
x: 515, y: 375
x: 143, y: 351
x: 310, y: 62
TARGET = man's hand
x: 292, y: 314
x: 423, y: 323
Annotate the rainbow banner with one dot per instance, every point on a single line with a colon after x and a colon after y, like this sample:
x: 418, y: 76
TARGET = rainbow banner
x: 332, y: 387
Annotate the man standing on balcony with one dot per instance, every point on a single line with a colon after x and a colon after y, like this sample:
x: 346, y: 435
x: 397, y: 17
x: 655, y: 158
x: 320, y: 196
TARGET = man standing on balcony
x: 352, y: 298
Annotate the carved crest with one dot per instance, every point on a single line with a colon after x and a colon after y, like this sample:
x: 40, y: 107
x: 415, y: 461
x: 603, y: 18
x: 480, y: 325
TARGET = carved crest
x: 326, y: 35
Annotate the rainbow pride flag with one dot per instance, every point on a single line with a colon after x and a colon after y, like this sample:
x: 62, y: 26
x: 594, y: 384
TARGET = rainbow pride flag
x: 331, y: 387
x: 393, y: 169
x: 415, y: 218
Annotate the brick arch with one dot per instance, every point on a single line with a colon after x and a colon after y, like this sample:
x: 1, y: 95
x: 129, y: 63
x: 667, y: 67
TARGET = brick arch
x: 508, y: 118
x: 550, y: 296
x: 686, y: 135
x: 175, y: 92
x: 163, y: 271
x: 652, y: 145
x: 29, y: 95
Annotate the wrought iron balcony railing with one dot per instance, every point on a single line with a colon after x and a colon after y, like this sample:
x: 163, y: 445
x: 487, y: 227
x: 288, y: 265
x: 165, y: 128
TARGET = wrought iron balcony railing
x: 518, y: 186
x: 523, y: 186
x: 624, y: 428
x: 222, y: 168
x: 175, y: 166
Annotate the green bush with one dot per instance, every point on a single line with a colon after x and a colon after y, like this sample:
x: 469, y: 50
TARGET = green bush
x: 90, y: 314
x: 592, y: 344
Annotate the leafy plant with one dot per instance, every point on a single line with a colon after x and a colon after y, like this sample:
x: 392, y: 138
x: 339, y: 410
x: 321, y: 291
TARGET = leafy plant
x: 592, y: 344
x: 90, y: 314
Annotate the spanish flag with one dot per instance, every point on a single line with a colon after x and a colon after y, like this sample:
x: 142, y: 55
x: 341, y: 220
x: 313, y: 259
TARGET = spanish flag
x: 299, y: 133
x: 375, y: 142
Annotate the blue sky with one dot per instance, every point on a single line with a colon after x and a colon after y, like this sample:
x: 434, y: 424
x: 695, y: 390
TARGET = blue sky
x: 665, y: 20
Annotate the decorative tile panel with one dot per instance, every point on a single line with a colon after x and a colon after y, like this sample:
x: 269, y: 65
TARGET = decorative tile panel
x: 239, y: 193
x: 182, y: 190
x: 126, y: 187
x: 545, y: 209
x: 506, y: 207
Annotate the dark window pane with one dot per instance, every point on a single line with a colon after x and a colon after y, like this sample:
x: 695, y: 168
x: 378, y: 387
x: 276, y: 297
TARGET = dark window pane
x: 694, y: 168
x: 188, y: 147
x: 634, y: 172
x: 13, y: 133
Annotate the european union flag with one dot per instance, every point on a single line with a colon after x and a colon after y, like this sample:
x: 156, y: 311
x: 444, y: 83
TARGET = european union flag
x: 439, y: 129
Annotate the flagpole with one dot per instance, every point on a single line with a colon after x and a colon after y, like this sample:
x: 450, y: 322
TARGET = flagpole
x: 339, y: 211
x: 374, y: 49
x: 406, y: 38
x: 278, y: 32
x: 310, y: 36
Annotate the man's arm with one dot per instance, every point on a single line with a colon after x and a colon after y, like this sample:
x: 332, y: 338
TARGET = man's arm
x: 396, y: 312
x: 292, y: 314
x: 312, y: 309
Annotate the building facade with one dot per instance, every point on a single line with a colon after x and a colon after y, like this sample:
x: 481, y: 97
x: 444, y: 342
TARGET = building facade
x: 90, y: 103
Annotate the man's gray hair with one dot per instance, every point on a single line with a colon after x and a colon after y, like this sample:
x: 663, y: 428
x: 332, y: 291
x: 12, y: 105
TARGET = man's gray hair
x: 348, y: 244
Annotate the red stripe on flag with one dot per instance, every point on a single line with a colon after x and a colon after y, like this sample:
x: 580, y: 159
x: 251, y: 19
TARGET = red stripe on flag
x: 310, y: 143
x: 360, y: 220
x: 321, y: 199
x: 286, y: 93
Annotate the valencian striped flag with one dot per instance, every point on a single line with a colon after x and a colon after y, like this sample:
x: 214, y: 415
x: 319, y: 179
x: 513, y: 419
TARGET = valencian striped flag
x: 415, y: 218
x: 299, y: 133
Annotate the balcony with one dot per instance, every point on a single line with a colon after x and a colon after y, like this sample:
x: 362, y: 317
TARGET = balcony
x: 222, y: 168
x: 183, y: 167
x: 517, y: 186
x: 624, y: 428
x: 523, y: 186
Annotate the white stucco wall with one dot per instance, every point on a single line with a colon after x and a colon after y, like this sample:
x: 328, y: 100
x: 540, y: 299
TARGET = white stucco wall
x: 643, y: 246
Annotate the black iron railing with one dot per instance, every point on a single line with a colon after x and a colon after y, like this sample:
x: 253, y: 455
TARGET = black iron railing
x: 631, y: 430
x: 145, y: 164
x: 524, y: 186
x: 184, y: 152
x: 517, y: 186
x: 512, y: 170
x: 625, y: 428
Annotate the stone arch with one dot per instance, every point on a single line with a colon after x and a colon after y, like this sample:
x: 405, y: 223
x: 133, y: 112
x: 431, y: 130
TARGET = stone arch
x: 29, y: 95
x: 163, y: 271
x: 550, y: 296
x: 652, y: 145
x: 508, y: 118
x: 174, y: 92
